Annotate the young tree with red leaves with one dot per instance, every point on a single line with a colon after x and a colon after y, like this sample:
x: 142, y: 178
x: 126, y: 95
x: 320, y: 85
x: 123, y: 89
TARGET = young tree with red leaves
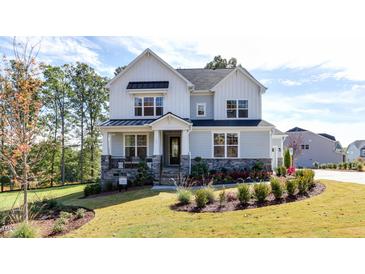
x: 20, y: 86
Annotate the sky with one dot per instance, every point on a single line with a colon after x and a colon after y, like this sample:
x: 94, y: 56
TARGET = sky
x: 316, y: 83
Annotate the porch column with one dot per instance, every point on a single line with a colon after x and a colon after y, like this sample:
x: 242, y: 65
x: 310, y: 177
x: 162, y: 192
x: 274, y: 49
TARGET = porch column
x: 106, y: 149
x: 185, y: 142
x: 156, y: 142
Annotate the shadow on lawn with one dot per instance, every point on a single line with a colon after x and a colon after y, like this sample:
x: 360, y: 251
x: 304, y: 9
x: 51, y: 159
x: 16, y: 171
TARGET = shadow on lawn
x: 107, y: 199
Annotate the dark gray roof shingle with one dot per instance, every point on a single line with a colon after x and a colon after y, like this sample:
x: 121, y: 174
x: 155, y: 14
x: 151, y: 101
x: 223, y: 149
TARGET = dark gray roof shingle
x: 204, y: 79
x: 331, y: 137
x: 296, y: 129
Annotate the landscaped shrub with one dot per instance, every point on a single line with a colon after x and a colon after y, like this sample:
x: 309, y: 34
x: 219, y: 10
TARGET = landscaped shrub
x: 59, y: 225
x: 201, y: 198
x: 143, y: 176
x: 231, y: 196
x: 222, y: 197
x: 287, y: 158
x: 261, y: 191
x: 4, y: 218
x: 199, y: 169
x: 306, y: 175
x: 291, y: 171
x: 291, y: 186
x: 258, y: 166
x: 244, y: 193
x: 316, y: 165
x: 4, y: 181
x: 210, y: 194
x: 65, y: 215
x: 24, y: 230
x: 184, y: 196
x: 80, y: 213
x: 280, y: 171
x: 277, y: 187
x: 302, y: 185
x: 92, y: 189
x: 345, y: 165
x: 359, y: 166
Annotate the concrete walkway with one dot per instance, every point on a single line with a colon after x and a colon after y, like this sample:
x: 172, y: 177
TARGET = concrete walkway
x: 343, y: 176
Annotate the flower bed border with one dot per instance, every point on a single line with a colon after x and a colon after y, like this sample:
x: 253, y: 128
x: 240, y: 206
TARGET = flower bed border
x: 235, y: 205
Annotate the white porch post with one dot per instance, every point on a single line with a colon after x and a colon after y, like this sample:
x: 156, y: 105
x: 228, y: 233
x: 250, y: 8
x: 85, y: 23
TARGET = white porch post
x: 106, y: 147
x: 156, y: 142
x: 185, y: 142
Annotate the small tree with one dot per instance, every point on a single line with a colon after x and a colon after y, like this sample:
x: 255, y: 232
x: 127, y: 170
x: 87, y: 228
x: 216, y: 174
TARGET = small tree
x: 295, y: 141
x: 287, y: 158
x: 21, y: 102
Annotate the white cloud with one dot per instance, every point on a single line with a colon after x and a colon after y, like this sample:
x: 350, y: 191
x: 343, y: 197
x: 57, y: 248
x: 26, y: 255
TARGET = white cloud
x: 290, y: 83
x: 340, y: 113
x: 344, y: 55
x: 61, y: 49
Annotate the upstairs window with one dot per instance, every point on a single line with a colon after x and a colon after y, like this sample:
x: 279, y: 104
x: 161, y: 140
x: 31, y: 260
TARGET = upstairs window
x: 148, y: 106
x: 201, y: 109
x: 237, y: 108
x: 225, y: 145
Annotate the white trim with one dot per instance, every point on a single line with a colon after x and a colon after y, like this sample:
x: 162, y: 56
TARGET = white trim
x: 237, y: 108
x: 147, y: 91
x: 169, y: 115
x: 154, y: 116
x: 225, y: 144
x: 135, y: 146
x: 197, y: 109
x: 147, y: 52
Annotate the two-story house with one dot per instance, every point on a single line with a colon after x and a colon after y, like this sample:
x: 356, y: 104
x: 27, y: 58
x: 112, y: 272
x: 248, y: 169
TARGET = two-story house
x: 322, y: 148
x: 356, y: 150
x: 170, y: 116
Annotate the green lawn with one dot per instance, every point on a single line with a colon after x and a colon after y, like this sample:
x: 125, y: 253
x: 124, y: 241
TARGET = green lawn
x: 338, y: 212
x: 7, y: 199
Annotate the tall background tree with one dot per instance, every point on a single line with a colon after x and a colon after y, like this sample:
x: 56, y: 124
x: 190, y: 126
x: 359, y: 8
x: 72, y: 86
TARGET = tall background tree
x: 221, y: 63
x: 20, y: 86
x: 57, y: 93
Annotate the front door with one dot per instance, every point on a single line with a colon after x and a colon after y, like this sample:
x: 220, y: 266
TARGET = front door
x: 174, y: 150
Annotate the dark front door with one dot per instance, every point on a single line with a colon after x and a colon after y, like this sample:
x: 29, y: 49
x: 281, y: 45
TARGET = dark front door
x: 174, y: 150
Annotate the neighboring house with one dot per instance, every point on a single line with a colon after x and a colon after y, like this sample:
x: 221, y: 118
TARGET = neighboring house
x: 170, y: 116
x: 322, y: 148
x: 356, y: 150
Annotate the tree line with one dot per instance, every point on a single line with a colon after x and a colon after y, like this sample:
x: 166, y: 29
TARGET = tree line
x: 48, y: 120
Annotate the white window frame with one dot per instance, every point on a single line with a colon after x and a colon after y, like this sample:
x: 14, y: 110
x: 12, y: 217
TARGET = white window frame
x: 237, y: 108
x: 204, y: 107
x: 225, y: 144
x: 135, y: 143
x: 154, y: 106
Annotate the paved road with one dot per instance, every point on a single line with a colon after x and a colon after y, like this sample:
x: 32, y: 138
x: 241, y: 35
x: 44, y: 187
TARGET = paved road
x: 353, y: 177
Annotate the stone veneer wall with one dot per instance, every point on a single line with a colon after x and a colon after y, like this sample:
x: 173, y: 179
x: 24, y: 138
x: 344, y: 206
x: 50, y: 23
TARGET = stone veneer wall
x: 237, y: 164
x: 184, y: 164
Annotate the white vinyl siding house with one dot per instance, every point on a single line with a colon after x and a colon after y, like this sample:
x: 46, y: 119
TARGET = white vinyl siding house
x: 169, y: 116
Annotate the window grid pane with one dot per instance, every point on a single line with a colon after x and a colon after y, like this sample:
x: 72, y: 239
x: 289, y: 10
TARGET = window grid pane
x: 219, y: 139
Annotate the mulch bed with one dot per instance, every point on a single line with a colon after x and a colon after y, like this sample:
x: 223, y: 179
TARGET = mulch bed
x: 235, y: 205
x: 44, y: 222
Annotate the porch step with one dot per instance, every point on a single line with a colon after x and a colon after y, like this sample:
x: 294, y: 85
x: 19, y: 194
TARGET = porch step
x: 170, y: 175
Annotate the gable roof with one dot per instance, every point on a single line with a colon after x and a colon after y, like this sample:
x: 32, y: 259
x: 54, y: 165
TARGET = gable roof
x: 147, y: 52
x: 186, y: 121
x: 296, y: 129
x: 359, y: 144
x: 328, y: 136
x: 278, y: 132
x: 204, y: 79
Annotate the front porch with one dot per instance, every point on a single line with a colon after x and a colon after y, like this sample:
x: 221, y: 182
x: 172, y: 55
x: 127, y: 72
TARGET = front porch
x: 163, y: 144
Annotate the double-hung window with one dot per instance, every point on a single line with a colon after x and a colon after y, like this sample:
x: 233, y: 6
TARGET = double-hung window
x: 135, y: 145
x: 148, y: 106
x: 201, y: 109
x: 237, y: 108
x: 225, y: 145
